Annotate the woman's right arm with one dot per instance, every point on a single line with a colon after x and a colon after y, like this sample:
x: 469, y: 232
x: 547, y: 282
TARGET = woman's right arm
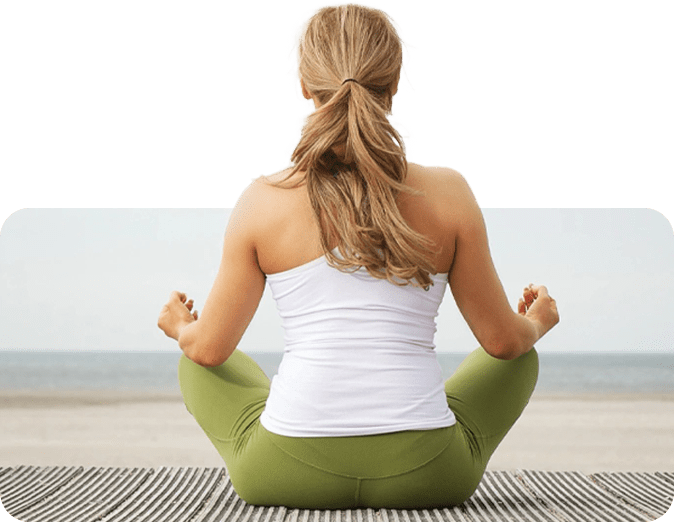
x: 477, y: 289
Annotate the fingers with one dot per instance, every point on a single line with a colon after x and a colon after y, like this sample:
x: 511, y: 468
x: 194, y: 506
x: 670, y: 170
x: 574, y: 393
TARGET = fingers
x: 533, y: 292
x: 540, y: 291
x: 182, y: 298
x: 521, y: 307
x: 529, y: 296
x: 175, y: 295
x: 190, y: 305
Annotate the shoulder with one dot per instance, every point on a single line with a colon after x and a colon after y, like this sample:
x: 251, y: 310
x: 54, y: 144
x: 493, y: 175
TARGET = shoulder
x: 244, y: 215
x: 274, y: 189
x: 262, y: 193
x: 264, y: 205
x: 438, y: 177
x: 280, y: 180
x: 443, y: 187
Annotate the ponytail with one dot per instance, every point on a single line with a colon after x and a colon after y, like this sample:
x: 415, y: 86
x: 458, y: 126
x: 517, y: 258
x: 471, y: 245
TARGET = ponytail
x: 354, y: 196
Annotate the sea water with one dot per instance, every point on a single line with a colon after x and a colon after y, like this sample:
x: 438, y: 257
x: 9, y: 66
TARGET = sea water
x: 560, y: 373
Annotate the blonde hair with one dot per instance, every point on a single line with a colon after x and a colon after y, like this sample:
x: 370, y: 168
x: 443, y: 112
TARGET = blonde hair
x: 354, y: 196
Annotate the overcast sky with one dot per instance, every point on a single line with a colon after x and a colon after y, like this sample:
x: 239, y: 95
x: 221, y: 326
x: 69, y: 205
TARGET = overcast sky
x: 96, y: 279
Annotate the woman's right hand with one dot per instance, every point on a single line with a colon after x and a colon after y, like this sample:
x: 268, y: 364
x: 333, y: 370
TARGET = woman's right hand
x: 537, y: 306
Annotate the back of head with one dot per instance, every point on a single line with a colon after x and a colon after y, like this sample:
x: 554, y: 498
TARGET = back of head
x: 353, y: 159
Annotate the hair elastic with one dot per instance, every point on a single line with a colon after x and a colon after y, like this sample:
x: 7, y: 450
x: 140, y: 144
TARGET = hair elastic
x: 349, y: 80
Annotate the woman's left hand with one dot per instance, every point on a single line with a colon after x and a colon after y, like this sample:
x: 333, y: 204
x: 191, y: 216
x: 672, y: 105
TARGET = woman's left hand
x: 176, y: 314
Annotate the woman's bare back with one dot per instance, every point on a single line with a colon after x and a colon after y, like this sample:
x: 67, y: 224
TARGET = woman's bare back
x: 288, y: 234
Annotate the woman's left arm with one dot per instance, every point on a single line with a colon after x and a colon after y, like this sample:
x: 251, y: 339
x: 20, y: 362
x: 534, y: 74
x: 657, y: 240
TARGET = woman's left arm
x: 233, y: 300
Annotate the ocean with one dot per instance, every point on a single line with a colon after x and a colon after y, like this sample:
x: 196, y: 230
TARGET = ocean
x: 569, y: 373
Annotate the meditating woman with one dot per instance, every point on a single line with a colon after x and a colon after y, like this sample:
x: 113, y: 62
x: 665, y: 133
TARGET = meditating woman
x: 357, y: 246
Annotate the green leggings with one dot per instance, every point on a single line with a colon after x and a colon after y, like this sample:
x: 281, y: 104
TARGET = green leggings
x: 402, y: 470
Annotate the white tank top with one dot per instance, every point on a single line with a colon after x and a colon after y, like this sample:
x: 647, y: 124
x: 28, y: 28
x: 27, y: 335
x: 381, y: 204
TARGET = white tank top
x: 359, y: 355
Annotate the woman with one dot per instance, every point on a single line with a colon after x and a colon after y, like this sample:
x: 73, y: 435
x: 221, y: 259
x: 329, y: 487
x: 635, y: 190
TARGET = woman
x: 357, y: 246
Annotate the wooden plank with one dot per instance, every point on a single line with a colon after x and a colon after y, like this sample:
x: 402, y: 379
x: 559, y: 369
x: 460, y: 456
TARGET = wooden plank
x: 502, y: 496
x: 59, y: 494
x: 103, y: 491
x: 57, y: 505
x: 26, y: 486
x: 503, y: 488
x: 574, y: 497
x: 171, y: 494
x: 645, y: 491
x: 222, y: 504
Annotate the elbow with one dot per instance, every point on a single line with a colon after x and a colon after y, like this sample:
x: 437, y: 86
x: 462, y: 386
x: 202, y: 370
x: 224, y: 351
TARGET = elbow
x: 509, y: 338
x: 204, y: 350
x: 207, y: 362
x: 208, y: 356
x: 513, y: 341
x: 504, y: 348
x: 506, y: 353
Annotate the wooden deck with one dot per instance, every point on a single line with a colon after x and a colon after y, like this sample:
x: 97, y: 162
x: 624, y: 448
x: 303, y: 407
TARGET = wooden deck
x: 77, y: 494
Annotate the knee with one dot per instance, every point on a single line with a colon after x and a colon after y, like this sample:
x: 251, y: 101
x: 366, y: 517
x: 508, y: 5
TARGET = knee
x: 528, y: 370
x: 188, y: 369
x: 533, y: 354
x: 183, y: 365
x: 532, y: 363
x: 185, y: 369
x: 189, y: 373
